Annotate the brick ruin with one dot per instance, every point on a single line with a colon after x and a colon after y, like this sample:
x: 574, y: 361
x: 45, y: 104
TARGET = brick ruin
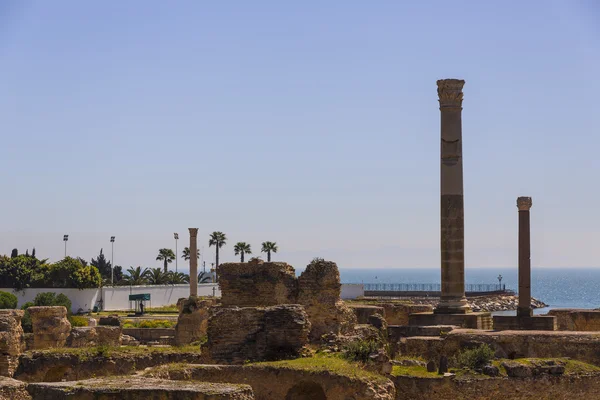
x: 267, y: 312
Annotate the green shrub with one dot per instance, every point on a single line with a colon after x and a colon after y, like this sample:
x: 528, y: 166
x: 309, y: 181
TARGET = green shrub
x: 475, y: 358
x: 8, y: 300
x: 76, y: 320
x: 360, y: 350
x: 149, y: 323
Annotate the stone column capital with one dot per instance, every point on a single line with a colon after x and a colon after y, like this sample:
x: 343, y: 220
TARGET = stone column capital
x: 450, y: 93
x: 193, y: 232
x: 524, y: 203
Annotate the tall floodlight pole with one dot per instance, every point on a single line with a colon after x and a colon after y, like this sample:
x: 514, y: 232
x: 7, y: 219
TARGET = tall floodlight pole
x: 112, y: 261
x: 65, y: 239
x: 176, y: 238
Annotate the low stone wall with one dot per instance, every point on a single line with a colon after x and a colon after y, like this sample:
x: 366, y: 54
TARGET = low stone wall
x: 12, y: 341
x: 51, y: 328
x: 41, y: 366
x: 145, y: 335
x: 236, y: 335
x: 257, y: 284
x: 500, y: 388
x: 95, y: 336
x: 138, y: 388
x: 279, y: 383
x: 507, y: 344
x: 363, y: 312
x: 534, y: 323
x: 193, y: 320
x: 569, y: 319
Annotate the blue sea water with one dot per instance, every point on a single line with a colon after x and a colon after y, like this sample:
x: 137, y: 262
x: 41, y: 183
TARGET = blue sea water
x: 557, y: 287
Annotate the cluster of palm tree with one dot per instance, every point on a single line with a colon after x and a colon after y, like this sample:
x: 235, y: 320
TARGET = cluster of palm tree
x: 156, y: 276
x: 218, y: 239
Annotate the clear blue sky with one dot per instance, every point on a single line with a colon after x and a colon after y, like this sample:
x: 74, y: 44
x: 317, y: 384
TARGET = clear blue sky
x: 312, y: 124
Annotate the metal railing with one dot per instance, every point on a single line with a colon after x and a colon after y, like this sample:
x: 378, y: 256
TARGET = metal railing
x: 429, y: 287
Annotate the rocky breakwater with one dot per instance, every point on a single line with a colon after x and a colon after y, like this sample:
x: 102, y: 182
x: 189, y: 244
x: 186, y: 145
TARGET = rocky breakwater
x: 488, y: 303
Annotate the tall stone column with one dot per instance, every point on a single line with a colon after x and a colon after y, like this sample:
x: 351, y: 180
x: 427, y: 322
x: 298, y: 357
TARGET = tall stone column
x: 524, y: 309
x: 193, y: 261
x: 453, y: 300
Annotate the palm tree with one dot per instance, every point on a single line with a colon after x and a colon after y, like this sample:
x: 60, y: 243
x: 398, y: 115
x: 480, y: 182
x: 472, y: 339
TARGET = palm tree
x: 176, y: 278
x: 242, y: 248
x: 136, y: 276
x: 268, y: 247
x: 217, y: 239
x: 186, y: 254
x: 165, y: 255
x: 157, y: 277
x: 204, y: 277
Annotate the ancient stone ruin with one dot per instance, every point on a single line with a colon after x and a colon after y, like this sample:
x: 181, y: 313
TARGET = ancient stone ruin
x: 193, y: 319
x: 51, y: 328
x: 12, y: 342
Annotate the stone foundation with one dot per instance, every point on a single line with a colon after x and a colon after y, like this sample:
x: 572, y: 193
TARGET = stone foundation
x: 95, y: 336
x: 363, y: 312
x: 145, y: 335
x: 257, y: 284
x: 51, y: 328
x: 236, y: 335
x: 12, y: 341
x: 576, y: 319
x: 397, y: 313
x: 135, y: 388
x: 535, y: 323
x: 396, y: 332
x: 280, y: 382
x: 193, y: 320
x: 579, y: 346
x: 474, y: 320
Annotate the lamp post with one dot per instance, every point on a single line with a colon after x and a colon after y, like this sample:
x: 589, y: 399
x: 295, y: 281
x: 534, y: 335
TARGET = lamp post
x: 176, y: 238
x: 500, y: 281
x: 112, y: 261
x: 65, y: 239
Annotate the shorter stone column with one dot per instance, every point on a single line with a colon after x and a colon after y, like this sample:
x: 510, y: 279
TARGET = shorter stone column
x: 193, y: 261
x: 51, y: 328
x: 524, y: 309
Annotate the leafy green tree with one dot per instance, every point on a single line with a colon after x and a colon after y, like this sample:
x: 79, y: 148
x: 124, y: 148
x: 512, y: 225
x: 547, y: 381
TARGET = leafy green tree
x: 22, y: 272
x: 14, y: 253
x: 269, y: 247
x: 242, y: 248
x: 8, y: 301
x: 186, y: 253
x: 204, y: 277
x: 217, y: 239
x: 167, y: 256
x: 103, y: 265
x: 178, y: 278
x: 70, y: 273
x: 33, y: 253
x: 118, y: 274
x: 156, y: 276
x: 136, y: 276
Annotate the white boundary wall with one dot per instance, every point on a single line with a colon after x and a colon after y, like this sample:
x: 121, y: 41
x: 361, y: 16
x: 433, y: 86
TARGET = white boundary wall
x: 117, y: 298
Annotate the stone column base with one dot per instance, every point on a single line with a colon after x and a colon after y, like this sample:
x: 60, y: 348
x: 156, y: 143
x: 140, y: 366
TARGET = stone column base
x: 472, y: 320
x: 452, y: 307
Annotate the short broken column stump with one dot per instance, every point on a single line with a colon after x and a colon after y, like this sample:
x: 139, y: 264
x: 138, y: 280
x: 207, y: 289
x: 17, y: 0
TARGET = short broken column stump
x: 133, y: 388
x: 51, y: 328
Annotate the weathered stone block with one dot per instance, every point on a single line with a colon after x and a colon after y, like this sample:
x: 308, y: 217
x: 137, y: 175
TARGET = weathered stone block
x: 576, y: 319
x: 51, y: 328
x: 363, y: 311
x: 236, y: 335
x: 319, y: 291
x: 110, y: 320
x: 193, y: 320
x: 257, y: 284
x: 95, y: 336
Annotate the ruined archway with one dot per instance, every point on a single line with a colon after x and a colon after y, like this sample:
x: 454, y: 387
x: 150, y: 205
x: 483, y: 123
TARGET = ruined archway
x: 306, y: 391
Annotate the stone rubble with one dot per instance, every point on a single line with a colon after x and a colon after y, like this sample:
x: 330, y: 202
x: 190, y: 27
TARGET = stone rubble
x: 489, y: 303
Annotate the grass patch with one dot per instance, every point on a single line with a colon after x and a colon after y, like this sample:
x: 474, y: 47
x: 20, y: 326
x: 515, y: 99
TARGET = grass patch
x: 323, y: 363
x: 415, y: 370
x: 149, y: 323
x: 121, y: 351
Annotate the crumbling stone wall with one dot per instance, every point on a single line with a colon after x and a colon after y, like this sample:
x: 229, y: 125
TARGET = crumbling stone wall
x: 51, y: 328
x: 95, y: 336
x: 12, y: 341
x: 257, y: 284
x: 319, y: 290
x: 193, y: 319
x: 577, y: 320
x: 236, y: 335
